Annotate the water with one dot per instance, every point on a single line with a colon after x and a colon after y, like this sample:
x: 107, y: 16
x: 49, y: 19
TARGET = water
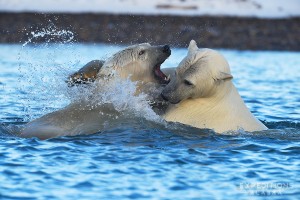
x: 143, y: 158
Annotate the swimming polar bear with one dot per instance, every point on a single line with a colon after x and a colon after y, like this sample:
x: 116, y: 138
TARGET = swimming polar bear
x: 141, y: 63
x: 203, y: 95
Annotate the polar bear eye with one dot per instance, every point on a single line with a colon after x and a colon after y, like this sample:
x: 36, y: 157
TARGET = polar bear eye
x: 141, y: 52
x: 188, y: 82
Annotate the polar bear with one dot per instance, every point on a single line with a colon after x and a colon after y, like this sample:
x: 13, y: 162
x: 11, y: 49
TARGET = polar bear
x: 203, y: 95
x: 141, y: 63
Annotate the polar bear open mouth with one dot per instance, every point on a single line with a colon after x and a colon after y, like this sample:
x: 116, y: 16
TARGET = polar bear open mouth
x: 160, y: 76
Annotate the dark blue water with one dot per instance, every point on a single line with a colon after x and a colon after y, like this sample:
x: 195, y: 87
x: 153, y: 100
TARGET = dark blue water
x: 146, y: 159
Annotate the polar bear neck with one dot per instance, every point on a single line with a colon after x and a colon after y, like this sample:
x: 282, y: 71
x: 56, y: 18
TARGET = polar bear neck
x: 222, y: 112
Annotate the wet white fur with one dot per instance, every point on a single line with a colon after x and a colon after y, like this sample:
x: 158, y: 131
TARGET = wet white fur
x: 213, y: 101
x: 127, y: 63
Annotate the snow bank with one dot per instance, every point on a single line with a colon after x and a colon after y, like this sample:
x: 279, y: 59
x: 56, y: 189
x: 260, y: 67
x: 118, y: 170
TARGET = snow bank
x: 240, y: 8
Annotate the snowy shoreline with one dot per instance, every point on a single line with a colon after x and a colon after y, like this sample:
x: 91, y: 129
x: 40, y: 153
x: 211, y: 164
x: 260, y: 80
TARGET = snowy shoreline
x: 270, y: 9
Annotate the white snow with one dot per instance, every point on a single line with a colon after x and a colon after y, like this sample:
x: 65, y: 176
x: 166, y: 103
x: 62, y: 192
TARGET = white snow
x: 241, y: 8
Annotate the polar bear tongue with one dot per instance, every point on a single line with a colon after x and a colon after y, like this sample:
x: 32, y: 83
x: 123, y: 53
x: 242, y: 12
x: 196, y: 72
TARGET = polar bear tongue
x: 160, y: 75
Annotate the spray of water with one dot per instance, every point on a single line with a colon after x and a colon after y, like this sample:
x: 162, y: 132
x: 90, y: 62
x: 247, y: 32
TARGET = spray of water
x: 67, y: 36
x: 122, y: 94
x: 42, y: 71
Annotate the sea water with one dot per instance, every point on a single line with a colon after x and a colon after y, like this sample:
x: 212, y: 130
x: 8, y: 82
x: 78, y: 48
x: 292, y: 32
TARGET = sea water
x: 143, y: 157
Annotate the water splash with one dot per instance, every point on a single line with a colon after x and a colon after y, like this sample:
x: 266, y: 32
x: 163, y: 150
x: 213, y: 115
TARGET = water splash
x: 42, y: 80
x: 67, y: 36
x: 121, y: 94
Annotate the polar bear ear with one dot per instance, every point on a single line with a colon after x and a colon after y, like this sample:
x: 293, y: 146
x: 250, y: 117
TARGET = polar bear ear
x: 224, y: 76
x: 192, y: 46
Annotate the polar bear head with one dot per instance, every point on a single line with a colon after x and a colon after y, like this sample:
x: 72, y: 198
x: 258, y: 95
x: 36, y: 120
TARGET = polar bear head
x: 139, y: 62
x: 199, y: 75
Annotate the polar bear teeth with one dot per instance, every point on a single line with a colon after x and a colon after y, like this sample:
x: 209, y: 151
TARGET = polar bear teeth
x: 160, y: 75
x: 167, y: 78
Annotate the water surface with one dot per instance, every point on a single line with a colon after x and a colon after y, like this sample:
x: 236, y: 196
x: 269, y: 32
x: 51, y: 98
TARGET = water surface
x: 143, y: 158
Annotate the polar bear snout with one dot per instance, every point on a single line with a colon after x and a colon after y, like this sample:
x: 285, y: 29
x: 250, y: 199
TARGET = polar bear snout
x: 166, y: 49
x: 170, y: 99
x: 171, y: 95
x: 164, y: 97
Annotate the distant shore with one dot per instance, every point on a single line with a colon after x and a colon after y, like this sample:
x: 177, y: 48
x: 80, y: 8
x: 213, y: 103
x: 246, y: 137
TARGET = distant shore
x: 211, y: 32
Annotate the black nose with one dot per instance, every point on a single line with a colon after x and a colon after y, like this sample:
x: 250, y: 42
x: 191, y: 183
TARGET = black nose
x: 166, y: 49
x: 164, y: 97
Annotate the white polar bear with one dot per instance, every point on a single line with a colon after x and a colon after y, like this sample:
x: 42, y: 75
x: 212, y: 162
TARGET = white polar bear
x: 203, y: 95
x: 141, y: 63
